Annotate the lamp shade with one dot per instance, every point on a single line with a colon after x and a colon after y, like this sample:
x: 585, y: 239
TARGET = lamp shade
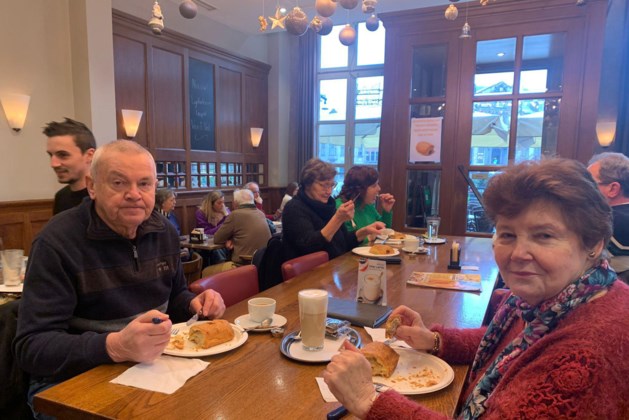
x: 131, y: 120
x: 256, y: 136
x: 15, y: 108
x: 605, y: 132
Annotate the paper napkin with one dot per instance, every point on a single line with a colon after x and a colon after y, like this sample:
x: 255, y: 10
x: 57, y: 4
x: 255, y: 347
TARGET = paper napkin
x: 165, y: 374
x: 325, y: 391
x: 379, y: 334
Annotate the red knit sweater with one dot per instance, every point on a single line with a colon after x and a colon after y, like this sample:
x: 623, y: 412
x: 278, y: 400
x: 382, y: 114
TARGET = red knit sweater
x: 579, y: 370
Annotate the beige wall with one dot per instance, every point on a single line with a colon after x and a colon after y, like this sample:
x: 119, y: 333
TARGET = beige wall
x: 68, y: 71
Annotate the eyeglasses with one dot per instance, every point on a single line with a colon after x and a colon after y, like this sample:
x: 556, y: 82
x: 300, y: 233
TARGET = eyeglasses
x: 327, y: 185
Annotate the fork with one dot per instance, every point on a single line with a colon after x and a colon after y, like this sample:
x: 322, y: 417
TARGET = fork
x: 389, y: 341
x: 381, y: 387
x: 174, y: 331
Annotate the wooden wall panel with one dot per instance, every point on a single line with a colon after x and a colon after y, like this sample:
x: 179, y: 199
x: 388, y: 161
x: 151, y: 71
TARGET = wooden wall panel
x: 20, y: 221
x: 229, y: 101
x: 167, y: 100
x: 256, y: 113
x: 130, y: 70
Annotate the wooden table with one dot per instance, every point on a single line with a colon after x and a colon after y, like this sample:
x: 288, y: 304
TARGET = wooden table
x: 208, y: 244
x: 255, y: 380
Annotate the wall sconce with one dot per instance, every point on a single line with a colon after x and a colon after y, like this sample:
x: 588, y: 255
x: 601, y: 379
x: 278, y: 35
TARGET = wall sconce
x: 131, y: 121
x: 15, y: 108
x: 256, y: 136
x: 605, y: 132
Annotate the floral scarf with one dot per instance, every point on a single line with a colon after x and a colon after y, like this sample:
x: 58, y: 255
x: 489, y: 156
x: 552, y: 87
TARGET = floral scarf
x: 540, y: 320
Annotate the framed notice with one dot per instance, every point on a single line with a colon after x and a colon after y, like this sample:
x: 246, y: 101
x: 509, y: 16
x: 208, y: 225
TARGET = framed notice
x: 201, y: 92
x: 425, y: 140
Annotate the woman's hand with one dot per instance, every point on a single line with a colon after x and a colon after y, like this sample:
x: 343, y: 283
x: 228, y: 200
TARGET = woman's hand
x: 345, y: 211
x: 413, y: 330
x: 373, y: 229
x: 348, y: 376
x: 387, y: 201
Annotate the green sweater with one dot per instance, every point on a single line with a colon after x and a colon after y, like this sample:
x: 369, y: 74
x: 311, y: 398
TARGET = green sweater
x: 366, y: 215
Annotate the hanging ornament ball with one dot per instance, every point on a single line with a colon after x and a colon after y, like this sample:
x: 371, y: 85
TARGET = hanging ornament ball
x: 326, y: 26
x: 316, y: 24
x: 452, y: 12
x: 188, y: 9
x: 348, y: 4
x: 325, y: 8
x: 296, y: 22
x: 372, y: 23
x: 347, y: 36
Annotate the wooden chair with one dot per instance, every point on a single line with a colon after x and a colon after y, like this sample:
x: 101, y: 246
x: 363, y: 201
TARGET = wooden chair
x: 296, y: 266
x: 233, y: 285
x: 192, y: 268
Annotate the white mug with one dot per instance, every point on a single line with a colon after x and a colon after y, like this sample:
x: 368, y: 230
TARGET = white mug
x: 411, y: 242
x: 261, y: 308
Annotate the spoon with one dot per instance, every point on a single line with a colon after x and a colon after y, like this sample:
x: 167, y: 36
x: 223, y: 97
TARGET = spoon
x: 266, y: 323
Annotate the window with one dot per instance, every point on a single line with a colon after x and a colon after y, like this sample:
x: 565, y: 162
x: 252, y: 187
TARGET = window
x: 350, y: 87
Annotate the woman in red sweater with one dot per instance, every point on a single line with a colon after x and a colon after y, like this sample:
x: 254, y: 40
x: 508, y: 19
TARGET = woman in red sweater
x: 558, y: 346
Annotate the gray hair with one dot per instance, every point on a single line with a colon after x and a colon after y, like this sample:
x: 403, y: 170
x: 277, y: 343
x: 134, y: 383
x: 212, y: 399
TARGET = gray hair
x: 117, y: 146
x: 243, y: 196
x: 614, y: 167
x: 161, y: 195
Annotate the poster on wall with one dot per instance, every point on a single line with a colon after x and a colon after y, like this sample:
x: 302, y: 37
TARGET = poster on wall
x: 425, y: 140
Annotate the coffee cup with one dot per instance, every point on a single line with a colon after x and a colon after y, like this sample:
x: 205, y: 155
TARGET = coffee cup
x: 313, y: 310
x: 372, y: 287
x: 261, y: 308
x: 411, y: 242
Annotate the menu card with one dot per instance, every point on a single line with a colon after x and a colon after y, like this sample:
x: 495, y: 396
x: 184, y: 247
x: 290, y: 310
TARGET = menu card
x: 372, y: 282
x: 453, y: 281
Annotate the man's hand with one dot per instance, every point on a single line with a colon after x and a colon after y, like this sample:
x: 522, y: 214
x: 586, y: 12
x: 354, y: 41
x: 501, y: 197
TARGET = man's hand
x: 208, y: 304
x: 142, y: 340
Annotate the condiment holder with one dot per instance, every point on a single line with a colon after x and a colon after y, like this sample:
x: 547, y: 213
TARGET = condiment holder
x: 455, y: 257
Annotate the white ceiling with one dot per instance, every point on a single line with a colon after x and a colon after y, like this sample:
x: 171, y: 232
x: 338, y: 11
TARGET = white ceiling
x: 243, y: 14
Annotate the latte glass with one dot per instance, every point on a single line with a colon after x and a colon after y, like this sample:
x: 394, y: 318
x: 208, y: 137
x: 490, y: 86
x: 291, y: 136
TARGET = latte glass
x: 313, y: 309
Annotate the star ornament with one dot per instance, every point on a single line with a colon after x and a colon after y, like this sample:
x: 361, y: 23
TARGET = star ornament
x: 277, y: 21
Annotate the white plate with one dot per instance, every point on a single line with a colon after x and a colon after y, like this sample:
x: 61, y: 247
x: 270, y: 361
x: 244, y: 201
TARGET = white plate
x: 394, y: 241
x: 416, y: 250
x: 11, y: 289
x: 435, y: 241
x: 190, y: 349
x: 245, y: 322
x: 363, y: 251
x: 411, y: 363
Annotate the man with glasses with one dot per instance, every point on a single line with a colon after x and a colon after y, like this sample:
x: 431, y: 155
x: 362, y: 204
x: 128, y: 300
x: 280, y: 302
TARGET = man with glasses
x: 611, y: 173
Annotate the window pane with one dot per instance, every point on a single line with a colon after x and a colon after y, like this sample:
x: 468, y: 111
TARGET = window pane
x: 366, y: 144
x: 495, y: 63
x: 370, y: 45
x: 490, y: 133
x: 429, y: 71
x: 333, y: 53
x: 332, y: 143
x: 423, y: 197
x: 476, y: 219
x: 536, y: 134
x: 332, y: 100
x: 369, y: 97
x: 542, y: 63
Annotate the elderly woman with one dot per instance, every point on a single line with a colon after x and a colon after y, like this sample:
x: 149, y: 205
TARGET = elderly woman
x: 557, y: 347
x: 212, y: 212
x: 361, y: 186
x: 165, y: 200
x: 311, y: 222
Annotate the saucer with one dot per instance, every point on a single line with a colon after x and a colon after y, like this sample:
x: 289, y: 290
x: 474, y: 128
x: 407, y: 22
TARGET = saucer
x: 246, y: 322
x: 435, y: 240
x: 416, y: 250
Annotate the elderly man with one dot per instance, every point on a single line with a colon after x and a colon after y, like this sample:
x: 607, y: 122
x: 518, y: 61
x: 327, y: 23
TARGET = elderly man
x: 245, y: 229
x: 611, y: 173
x: 105, y: 283
x: 70, y: 146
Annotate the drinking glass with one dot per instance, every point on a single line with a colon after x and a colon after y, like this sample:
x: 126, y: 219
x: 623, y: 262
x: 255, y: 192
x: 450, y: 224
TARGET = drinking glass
x: 313, y: 309
x: 432, y: 224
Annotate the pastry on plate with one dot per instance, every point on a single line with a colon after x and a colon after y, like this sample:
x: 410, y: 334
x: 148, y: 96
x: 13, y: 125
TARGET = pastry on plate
x: 397, y: 236
x: 380, y: 249
x: 211, y: 333
x: 382, y: 358
x: 391, y: 326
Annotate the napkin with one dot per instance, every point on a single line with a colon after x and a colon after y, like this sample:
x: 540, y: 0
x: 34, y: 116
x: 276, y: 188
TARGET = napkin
x: 325, y: 391
x: 379, y: 334
x: 165, y: 374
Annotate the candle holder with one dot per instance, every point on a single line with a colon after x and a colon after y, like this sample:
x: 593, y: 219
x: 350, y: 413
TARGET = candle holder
x: 455, y: 263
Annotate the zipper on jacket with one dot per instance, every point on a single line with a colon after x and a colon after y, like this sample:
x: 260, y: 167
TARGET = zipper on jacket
x: 135, y: 257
